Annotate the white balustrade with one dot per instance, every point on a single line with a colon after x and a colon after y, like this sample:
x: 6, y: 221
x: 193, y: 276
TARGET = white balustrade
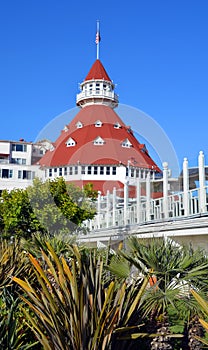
x: 114, y: 211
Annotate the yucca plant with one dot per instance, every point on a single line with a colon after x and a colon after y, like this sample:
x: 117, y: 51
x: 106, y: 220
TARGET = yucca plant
x: 203, y: 304
x: 74, y: 308
x: 37, y: 242
x: 13, y: 262
x: 14, y: 331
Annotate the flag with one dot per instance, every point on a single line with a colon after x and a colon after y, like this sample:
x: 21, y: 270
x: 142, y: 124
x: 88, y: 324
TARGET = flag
x: 97, y: 38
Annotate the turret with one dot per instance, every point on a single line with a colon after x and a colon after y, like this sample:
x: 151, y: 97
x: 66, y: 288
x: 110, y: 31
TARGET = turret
x: 97, y: 88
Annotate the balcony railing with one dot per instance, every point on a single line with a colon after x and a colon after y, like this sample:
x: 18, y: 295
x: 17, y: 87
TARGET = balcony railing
x: 97, y: 94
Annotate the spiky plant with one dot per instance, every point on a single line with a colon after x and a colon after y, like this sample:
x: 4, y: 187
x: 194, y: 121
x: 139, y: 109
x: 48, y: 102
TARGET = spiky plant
x: 14, y: 331
x: 37, y: 242
x: 13, y: 261
x: 176, y: 269
x: 74, y: 308
x: 199, y: 332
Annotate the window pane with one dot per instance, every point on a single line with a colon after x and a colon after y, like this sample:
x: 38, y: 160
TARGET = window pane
x: 5, y: 173
x: 19, y: 148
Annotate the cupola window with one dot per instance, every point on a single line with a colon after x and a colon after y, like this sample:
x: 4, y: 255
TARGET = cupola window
x: 126, y: 143
x: 98, y: 141
x: 97, y: 88
x: 70, y: 142
x: 98, y: 124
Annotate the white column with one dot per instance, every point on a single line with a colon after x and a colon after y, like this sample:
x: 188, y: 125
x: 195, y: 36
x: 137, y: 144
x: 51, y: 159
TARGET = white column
x: 114, y: 206
x: 107, y: 208
x: 138, y: 196
x: 98, y: 209
x: 126, y: 200
x: 148, y: 197
x: 165, y: 189
x: 185, y: 187
x: 202, y: 190
x: 79, y: 169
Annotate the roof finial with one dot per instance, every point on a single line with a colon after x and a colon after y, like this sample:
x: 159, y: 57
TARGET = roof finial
x: 97, y: 39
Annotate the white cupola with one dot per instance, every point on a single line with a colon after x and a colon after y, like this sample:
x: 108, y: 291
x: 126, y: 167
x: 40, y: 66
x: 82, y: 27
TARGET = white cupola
x: 97, y: 88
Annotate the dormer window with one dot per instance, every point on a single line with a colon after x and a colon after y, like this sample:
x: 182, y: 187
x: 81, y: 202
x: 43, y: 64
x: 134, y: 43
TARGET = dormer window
x: 98, y: 124
x: 98, y: 141
x: 65, y: 128
x: 117, y: 125
x: 126, y: 143
x: 79, y: 125
x: 70, y: 142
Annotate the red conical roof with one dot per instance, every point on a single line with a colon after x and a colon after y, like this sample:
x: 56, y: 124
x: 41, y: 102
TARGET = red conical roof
x: 85, y: 152
x: 97, y: 71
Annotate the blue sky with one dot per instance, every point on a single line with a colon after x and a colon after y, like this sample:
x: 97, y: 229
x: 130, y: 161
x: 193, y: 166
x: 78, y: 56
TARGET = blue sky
x: 155, y: 51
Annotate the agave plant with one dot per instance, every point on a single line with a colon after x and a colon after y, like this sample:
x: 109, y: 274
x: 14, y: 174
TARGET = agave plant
x: 75, y: 309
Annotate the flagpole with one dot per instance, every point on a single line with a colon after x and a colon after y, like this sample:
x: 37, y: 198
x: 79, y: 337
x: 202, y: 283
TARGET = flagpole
x: 98, y: 41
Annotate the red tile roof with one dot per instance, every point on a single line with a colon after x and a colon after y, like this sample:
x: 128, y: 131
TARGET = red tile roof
x: 97, y: 71
x: 85, y: 152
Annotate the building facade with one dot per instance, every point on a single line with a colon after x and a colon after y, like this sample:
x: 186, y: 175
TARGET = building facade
x: 18, y: 163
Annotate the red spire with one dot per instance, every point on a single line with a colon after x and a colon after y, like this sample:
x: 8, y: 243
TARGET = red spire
x: 97, y: 71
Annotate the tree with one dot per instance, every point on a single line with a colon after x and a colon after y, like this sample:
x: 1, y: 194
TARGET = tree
x: 52, y: 207
x: 17, y: 216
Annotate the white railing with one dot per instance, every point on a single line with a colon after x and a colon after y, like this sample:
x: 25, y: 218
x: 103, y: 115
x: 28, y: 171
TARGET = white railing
x: 97, y: 93
x: 144, y: 212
